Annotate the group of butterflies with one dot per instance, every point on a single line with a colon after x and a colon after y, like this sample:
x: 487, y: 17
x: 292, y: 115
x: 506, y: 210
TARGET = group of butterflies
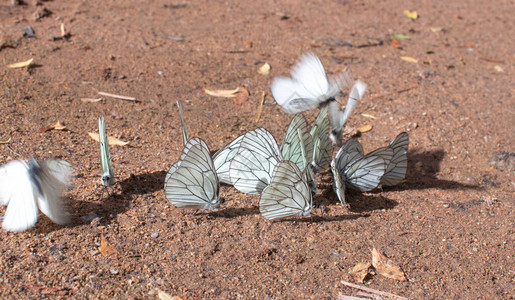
x: 284, y: 174
x: 253, y: 163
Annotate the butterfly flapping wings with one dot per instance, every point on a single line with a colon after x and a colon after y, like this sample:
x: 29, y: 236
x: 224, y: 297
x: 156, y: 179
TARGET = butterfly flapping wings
x: 185, y: 136
x: 107, y: 178
x: 252, y: 167
x: 396, y: 169
x: 287, y: 195
x: 322, y: 145
x: 291, y: 146
x: 222, y: 159
x: 192, y: 182
x: 339, y: 118
x: 308, y: 86
x: 25, y: 187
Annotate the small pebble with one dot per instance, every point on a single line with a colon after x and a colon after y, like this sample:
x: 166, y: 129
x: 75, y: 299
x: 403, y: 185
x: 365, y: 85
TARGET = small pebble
x: 114, y: 271
x: 154, y: 235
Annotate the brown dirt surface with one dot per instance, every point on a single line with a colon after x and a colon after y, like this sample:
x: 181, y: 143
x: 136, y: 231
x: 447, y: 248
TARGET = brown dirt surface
x: 449, y: 225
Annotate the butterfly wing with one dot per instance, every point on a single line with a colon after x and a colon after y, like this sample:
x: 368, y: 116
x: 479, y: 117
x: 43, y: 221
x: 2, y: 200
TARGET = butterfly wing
x: 365, y: 173
x: 396, y: 169
x: 185, y: 136
x: 291, y: 96
x: 338, y: 182
x: 105, y: 155
x: 17, y: 190
x: 252, y: 166
x: 287, y: 195
x: 223, y: 157
x: 322, y: 146
x: 54, y: 174
x: 350, y: 152
x: 339, y: 118
x: 193, y: 183
x: 291, y: 147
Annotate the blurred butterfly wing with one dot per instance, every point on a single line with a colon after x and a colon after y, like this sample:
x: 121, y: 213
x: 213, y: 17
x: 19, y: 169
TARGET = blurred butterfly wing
x: 291, y: 96
x: 322, y: 146
x: 310, y: 74
x: 105, y: 155
x: 252, y: 167
x: 223, y: 157
x: 338, y: 182
x: 17, y: 190
x: 287, y: 195
x: 291, y: 147
x: 339, y: 118
x: 396, y: 169
x: 365, y: 173
x: 54, y: 175
x: 193, y: 183
x: 185, y: 136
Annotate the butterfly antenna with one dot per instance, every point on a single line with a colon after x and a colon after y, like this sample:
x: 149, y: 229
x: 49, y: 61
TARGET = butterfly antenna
x: 13, y: 151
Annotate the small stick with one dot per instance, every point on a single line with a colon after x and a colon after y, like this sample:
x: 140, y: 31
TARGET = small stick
x: 260, y: 108
x: 373, y: 291
x: 117, y: 96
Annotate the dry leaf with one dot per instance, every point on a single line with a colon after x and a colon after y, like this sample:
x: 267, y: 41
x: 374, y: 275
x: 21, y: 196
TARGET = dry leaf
x: 365, y: 128
x: 106, y: 249
x: 386, y: 267
x: 396, y: 44
x: 222, y: 93
x: 264, y: 69
x: 498, y: 69
x: 111, y: 140
x: 5, y: 142
x: 409, y: 59
x: 241, y: 96
x: 63, y: 32
x: 165, y: 296
x: 260, y: 107
x: 91, y: 100
x: 411, y: 14
x: 21, y: 64
x: 360, y: 271
x: 59, y: 126
x: 436, y: 29
x: 369, y: 116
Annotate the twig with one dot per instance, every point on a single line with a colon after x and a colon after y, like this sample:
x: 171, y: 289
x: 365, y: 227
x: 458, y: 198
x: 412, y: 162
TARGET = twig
x: 117, y: 96
x: 396, y: 92
x: 260, y: 108
x: 373, y: 291
x: 345, y: 297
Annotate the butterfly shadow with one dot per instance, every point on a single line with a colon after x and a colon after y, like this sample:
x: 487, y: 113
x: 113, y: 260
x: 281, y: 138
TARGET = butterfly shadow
x: 233, y: 212
x: 423, y: 167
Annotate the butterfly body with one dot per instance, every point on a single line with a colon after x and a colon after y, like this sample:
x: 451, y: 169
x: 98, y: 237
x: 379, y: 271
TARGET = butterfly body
x: 107, y: 179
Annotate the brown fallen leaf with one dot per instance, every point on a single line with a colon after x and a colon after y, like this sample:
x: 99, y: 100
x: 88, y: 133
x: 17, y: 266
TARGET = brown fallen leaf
x: 57, y: 126
x: 106, y: 249
x: 365, y: 128
x: 264, y: 69
x: 499, y: 69
x: 111, y: 140
x: 222, y: 93
x: 241, y: 96
x: 21, y: 64
x: 5, y: 142
x: 386, y: 267
x: 409, y: 59
x: 369, y: 116
x: 436, y: 29
x: 165, y: 296
x: 396, y: 43
x: 360, y: 271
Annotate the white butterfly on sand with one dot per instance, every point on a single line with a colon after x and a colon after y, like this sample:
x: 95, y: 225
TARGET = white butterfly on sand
x: 322, y: 145
x: 396, y: 169
x: 308, y: 86
x: 192, y: 181
x: 223, y: 158
x: 361, y: 172
x: 287, y: 195
x: 107, y: 178
x: 28, y: 187
x: 252, y: 167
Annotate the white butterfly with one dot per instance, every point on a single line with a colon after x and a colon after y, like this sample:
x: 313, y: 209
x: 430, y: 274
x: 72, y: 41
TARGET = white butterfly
x: 339, y: 118
x: 192, y: 181
x: 291, y: 146
x: 223, y: 158
x: 29, y: 187
x: 252, y: 167
x: 308, y: 86
x: 322, y: 146
x: 107, y: 178
x: 287, y: 195
x: 396, y: 169
x: 185, y: 136
x: 362, y: 172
